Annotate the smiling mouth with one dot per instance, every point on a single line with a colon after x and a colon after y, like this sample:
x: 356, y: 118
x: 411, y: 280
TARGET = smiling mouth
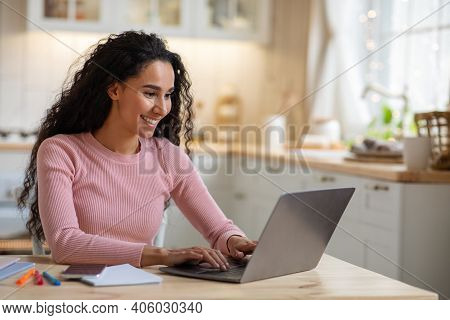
x: 149, y: 121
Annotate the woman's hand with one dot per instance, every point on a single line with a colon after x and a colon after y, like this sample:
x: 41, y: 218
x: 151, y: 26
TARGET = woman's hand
x: 195, y: 255
x: 240, y: 246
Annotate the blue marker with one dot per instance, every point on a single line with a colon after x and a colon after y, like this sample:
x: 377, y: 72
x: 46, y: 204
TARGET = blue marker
x: 51, y: 279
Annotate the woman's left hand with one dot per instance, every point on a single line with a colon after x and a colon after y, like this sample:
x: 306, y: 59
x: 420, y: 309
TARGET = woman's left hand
x: 240, y: 246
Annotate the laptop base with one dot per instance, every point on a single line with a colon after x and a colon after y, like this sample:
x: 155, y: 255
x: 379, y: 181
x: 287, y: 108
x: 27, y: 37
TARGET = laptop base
x: 233, y: 275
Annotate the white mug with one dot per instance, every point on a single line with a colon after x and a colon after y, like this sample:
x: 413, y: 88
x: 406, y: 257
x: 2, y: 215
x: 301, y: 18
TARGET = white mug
x: 416, y: 152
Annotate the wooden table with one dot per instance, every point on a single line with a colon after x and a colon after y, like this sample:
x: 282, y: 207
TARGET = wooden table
x: 332, y: 279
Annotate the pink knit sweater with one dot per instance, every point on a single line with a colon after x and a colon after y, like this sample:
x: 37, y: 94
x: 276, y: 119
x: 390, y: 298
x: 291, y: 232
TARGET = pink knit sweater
x: 99, y: 206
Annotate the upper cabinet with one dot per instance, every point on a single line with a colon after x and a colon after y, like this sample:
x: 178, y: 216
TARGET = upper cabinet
x: 69, y: 15
x: 226, y: 19
x: 234, y: 19
x: 167, y: 17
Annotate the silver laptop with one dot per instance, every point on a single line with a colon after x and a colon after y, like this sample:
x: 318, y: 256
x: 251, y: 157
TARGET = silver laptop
x: 293, y: 240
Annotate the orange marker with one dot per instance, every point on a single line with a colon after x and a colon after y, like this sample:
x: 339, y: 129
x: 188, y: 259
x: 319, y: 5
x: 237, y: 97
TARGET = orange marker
x: 25, y: 277
x: 38, y: 278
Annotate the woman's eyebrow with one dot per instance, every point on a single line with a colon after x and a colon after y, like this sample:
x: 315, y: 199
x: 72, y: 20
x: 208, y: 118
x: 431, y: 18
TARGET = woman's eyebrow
x: 155, y: 87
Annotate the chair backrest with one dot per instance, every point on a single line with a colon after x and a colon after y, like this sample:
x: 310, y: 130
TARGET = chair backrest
x: 159, y: 239
x: 37, y: 248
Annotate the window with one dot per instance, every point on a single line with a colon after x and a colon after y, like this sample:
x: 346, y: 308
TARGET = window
x: 417, y: 62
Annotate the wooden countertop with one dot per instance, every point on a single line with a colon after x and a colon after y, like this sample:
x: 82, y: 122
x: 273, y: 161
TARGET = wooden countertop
x: 335, y: 163
x: 6, y: 146
x: 332, y: 279
x: 328, y: 160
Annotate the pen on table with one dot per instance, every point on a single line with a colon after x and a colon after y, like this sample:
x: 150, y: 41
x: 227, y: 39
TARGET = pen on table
x: 38, y: 278
x: 25, y: 277
x: 51, y: 279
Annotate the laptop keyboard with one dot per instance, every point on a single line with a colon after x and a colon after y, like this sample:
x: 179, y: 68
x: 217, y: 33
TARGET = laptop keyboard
x: 236, y: 267
x: 204, y: 271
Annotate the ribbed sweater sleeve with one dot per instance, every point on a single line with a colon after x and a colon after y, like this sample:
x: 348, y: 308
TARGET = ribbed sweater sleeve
x: 56, y: 171
x: 192, y: 197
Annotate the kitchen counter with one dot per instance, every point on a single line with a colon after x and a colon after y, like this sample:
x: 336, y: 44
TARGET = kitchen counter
x: 15, y: 146
x: 328, y: 160
x: 332, y: 279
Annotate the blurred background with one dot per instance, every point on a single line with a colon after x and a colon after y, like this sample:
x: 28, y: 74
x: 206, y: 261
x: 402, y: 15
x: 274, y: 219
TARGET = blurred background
x: 359, y: 88
x: 271, y: 55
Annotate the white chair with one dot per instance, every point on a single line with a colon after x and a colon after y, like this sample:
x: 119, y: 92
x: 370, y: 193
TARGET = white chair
x: 159, y: 239
x: 36, y: 247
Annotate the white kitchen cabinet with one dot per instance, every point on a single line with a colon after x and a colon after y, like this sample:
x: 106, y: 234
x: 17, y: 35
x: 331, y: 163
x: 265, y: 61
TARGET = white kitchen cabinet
x: 179, y: 231
x: 401, y: 230
x: 70, y: 15
x: 215, y: 174
x: 219, y: 19
x: 12, y: 169
x: 425, y: 236
x: 166, y: 17
x: 381, y: 252
x: 368, y: 234
x: 347, y: 242
x: 257, y: 185
x: 234, y: 19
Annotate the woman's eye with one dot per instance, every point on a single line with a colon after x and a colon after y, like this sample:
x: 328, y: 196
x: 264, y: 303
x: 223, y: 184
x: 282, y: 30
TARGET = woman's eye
x: 168, y: 95
x: 150, y: 94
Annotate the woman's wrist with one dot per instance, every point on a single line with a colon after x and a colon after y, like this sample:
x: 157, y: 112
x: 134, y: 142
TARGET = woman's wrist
x: 228, y: 241
x: 153, y: 256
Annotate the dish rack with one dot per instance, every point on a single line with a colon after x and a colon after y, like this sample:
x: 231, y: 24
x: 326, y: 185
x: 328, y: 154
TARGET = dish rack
x: 436, y: 125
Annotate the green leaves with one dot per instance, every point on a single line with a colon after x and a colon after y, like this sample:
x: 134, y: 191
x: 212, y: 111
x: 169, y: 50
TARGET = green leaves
x: 386, y: 114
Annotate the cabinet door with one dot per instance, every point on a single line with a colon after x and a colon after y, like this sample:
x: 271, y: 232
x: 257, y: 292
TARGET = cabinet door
x: 381, y: 252
x: 213, y: 170
x: 70, y: 15
x: 234, y: 19
x: 257, y: 186
x: 347, y: 243
x: 381, y: 221
x: 245, y: 192
x: 320, y: 180
x: 382, y: 204
x: 165, y: 17
x: 179, y: 231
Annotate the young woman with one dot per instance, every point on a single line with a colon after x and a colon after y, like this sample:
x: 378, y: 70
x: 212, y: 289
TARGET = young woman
x: 107, y: 159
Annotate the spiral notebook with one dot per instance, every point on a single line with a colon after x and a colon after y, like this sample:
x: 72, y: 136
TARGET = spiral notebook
x: 122, y: 275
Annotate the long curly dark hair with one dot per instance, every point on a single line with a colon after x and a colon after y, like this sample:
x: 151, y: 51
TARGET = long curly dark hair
x: 83, y: 104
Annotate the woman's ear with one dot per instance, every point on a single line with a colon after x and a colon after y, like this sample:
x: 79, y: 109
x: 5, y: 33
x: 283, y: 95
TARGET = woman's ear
x: 113, y: 91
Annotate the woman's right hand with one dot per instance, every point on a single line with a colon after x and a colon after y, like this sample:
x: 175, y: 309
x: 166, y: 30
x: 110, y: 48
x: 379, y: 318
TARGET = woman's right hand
x: 171, y: 257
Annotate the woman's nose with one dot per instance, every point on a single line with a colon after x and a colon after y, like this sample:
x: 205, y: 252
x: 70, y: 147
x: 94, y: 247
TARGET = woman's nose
x: 160, y: 107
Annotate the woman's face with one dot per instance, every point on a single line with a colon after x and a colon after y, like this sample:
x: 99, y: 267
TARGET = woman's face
x: 142, y: 101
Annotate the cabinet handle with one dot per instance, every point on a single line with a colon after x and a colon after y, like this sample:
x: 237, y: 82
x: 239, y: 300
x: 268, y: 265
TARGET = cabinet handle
x: 239, y: 195
x: 10, y: 194
x: 13, y: 193
x: 378, y: 187
x: 327, y: 179
x: 271, y: 169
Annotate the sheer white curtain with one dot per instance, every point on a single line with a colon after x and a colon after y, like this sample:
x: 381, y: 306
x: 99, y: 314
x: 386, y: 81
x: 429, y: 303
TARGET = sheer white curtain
x: 420, y: 59
x: 337, y: 43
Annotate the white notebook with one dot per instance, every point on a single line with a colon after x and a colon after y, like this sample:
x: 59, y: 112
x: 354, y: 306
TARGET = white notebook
x: 14, y: 268
x: 7, y: 261
x: 122, y: 275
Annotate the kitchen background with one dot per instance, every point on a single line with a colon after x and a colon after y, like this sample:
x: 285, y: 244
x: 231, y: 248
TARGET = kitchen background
x: 351, y: 70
